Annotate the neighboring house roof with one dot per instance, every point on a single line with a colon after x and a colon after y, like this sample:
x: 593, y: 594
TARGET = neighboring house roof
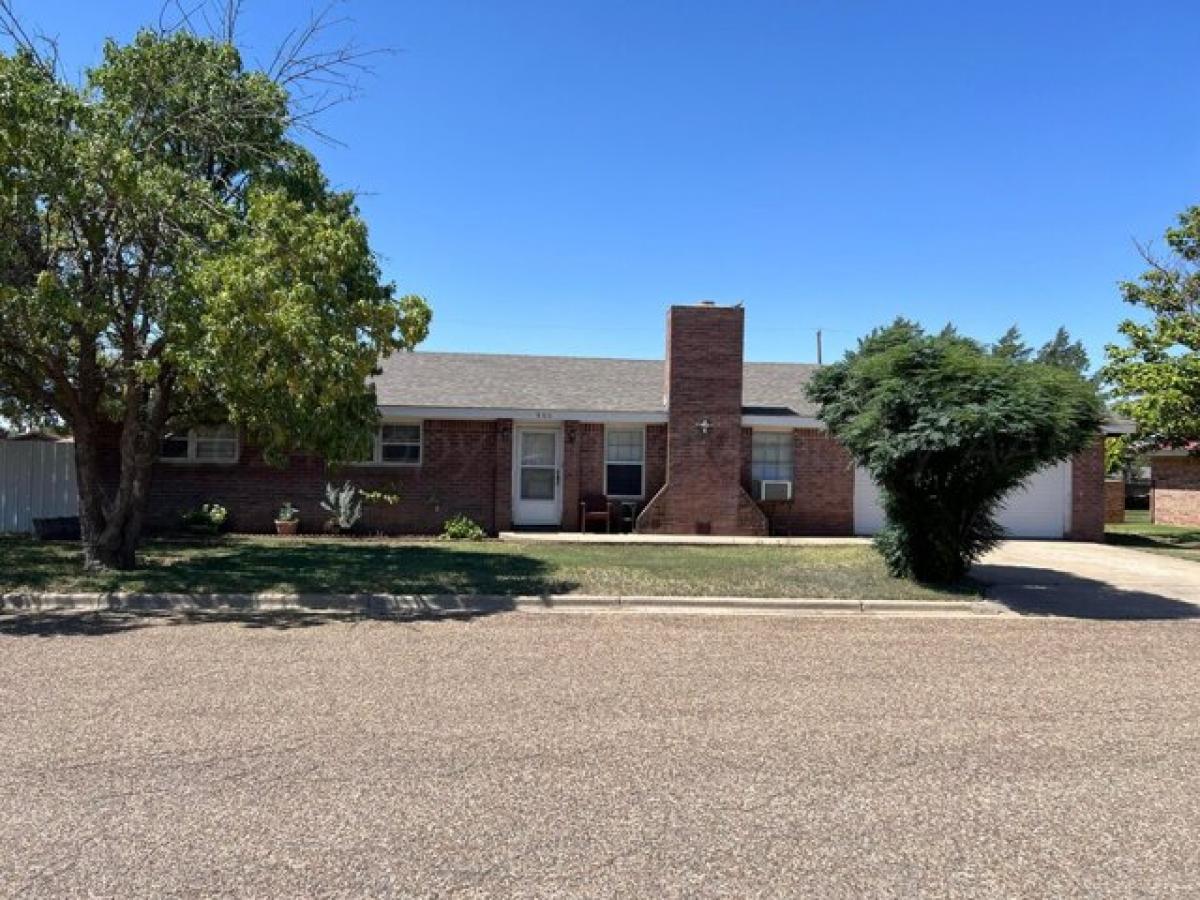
x: 586, y: 384
x: 1191, y: 449
x: 45, y: 436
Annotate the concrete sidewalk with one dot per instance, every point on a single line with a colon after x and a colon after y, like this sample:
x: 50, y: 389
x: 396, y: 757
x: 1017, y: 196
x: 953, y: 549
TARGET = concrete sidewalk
x: 590, y: 537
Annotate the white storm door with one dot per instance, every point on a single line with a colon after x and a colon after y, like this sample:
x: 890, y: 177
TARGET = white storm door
x: 537, y: 476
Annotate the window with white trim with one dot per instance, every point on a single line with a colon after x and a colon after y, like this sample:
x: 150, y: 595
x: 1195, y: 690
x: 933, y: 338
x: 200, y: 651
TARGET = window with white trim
x: 625, y: 462
x: 771, y: 456
x: 396, y: 444
x: 201, y: 444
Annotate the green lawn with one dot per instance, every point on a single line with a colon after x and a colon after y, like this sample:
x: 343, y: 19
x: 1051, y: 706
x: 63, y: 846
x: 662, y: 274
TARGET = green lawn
x: 1140, y: 533
x: 250, y: 564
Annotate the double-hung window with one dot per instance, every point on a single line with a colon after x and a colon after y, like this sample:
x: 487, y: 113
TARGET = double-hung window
x: 771, y: 457
x: 625, y: 462
x: 202, y: 444
x: 396, y: 444
x: 400, y: 444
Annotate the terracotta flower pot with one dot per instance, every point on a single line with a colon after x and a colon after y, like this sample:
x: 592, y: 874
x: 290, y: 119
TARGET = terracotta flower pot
x: 290, y: 527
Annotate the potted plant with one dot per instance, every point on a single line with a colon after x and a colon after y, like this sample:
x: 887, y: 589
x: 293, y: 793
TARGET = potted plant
x: 288, y: 520
x: 207, y: 519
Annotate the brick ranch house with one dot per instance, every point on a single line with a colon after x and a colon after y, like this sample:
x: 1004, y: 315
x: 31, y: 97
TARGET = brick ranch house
x: 698, y: 443
x: 1175, y: 487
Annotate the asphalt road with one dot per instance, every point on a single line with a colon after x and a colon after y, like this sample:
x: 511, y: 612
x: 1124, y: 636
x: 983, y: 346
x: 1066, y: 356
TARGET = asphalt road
x: 591, y: 755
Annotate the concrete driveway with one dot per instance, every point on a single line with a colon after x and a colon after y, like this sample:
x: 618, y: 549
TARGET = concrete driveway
x: 1092, y: 581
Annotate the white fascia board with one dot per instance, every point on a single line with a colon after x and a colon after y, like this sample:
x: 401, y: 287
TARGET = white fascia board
x: 576, y: 415
x: 637, y: 416
x: 523, y: 415
x: 1118, y: 428
x: 812, y: 422
x: 782, y: 422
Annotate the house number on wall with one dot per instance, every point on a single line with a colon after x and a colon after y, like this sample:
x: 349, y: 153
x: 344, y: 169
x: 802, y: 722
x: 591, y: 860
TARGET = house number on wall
x: 543, y: 415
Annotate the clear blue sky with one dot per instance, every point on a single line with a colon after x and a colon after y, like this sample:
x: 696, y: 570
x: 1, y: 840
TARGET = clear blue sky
x: 552, y: 175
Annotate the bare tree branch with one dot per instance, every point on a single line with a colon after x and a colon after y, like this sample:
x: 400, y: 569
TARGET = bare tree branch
x: 229, y: 21
x: 184, y: 20
x: 40, y: 46
x: 318, y: 71
x: 1166, y: 268
x: 306, y: 58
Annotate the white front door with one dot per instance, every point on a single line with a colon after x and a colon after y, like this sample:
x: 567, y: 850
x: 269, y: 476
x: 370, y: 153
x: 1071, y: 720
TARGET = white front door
x: 537, y: 476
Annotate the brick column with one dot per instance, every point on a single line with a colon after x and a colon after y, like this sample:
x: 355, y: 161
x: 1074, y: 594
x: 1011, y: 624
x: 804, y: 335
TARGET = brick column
x: 572, y: 435
x: 1087, y: 493
x: 503, y: 476
x: 1114, y: 500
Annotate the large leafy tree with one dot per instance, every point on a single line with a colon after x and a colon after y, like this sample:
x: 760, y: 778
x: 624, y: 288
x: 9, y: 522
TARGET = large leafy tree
x: 1156, y: 373
x: 170, y: 252
x: 947, y: 427
x: 1060, y: 350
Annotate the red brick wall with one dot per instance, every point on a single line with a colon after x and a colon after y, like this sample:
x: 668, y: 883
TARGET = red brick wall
x: 251, y: 489
x: 1176, y: 497
x: 1087, y: 494
x: 457, y: 475
x: 1114, y: 500
x: 703, y: 490
x: 822, y: 487
x: 467, y: 468
x: 589, y: 457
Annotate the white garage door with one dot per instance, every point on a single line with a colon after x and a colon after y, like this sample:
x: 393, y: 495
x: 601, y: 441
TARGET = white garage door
x: 1037, y: 509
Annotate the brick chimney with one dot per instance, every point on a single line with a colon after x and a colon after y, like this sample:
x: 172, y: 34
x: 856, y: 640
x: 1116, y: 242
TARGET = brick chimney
x: 703, y: 492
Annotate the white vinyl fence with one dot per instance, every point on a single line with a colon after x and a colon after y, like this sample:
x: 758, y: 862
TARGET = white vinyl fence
x: 37, y: 481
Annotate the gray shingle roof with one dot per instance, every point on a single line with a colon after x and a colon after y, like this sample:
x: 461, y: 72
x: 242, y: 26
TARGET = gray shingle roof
x: 587, y: 384
x: 768, y: 385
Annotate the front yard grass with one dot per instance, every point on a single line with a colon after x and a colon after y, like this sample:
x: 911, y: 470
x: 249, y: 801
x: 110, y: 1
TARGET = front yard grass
x: 261, y: 564
x: 1172, y: 540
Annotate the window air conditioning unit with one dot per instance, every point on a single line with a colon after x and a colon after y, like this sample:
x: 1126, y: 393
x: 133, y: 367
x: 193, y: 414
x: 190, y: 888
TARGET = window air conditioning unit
x: 774, y: 490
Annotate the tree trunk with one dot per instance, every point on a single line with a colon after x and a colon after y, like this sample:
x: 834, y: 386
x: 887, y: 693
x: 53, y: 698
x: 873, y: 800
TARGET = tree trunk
x: 123, y: 531
x: 93, y: 501
x: 108, y: 543
x: 111, y: 527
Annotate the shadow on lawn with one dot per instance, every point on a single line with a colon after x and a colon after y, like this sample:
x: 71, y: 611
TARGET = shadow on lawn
x: 118, y: 621
x: 1184, y: 540
x: 352, y: 567
x: 315, y: 567
x: 238, y: 566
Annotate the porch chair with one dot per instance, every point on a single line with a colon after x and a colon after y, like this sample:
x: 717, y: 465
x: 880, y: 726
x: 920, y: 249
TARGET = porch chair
x: 595, y: 508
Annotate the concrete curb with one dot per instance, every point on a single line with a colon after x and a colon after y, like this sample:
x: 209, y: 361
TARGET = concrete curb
x: 452, y: 605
